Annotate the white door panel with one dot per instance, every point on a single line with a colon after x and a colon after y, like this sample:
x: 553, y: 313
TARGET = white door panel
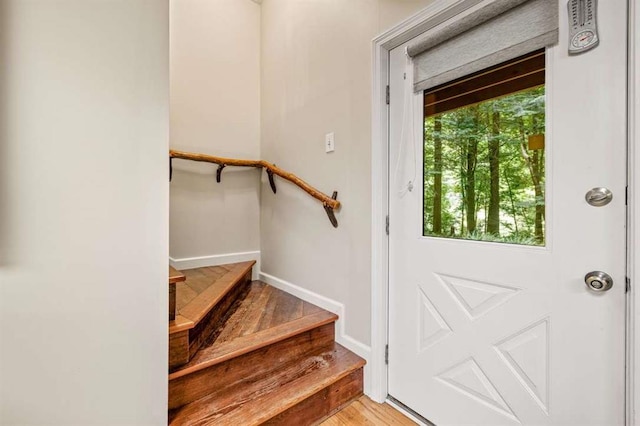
x: 491, y: 333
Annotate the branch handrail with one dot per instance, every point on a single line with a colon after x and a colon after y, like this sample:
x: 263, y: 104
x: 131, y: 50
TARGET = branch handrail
x: 330, y: 203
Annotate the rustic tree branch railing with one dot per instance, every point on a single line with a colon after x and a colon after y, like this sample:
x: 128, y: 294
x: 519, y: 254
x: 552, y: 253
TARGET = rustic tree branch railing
x: 330, y: 204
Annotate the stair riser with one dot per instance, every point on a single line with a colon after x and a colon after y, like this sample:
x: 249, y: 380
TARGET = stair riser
x: 239, y: 370
x: 178, y: 349
x: 323, y: 403
x: 217, y: 315
x: 172, y: 301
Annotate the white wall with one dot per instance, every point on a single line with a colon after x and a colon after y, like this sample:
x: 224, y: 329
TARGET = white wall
x: 316, y: 78
x: 215, y: 109
x: 83, y: 211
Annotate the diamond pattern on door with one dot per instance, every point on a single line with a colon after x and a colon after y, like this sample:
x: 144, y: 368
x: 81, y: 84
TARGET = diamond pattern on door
x: 468, y: 378
x: 433, y: 326
x: 476, y: 298
x: 526, y: 354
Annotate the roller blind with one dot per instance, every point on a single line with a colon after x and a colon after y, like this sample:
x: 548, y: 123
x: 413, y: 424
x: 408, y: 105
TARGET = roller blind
x: 500, y: 31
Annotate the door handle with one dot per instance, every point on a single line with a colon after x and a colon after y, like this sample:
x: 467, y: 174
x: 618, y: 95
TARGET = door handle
x: 598, y: 197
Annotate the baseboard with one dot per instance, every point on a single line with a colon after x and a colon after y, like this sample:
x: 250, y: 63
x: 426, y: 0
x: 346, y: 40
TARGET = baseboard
x: 218, y: 259
x: 354, y: 345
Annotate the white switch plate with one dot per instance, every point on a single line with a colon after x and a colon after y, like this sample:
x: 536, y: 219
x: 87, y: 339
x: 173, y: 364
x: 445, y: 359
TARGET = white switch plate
x: 329, y: 142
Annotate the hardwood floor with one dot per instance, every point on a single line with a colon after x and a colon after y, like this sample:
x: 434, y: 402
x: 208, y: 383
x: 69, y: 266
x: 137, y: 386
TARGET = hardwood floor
x: 364, y: 411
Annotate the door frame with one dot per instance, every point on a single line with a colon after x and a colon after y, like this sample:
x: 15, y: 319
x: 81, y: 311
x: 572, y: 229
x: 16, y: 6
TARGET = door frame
x: 633, y: 216
x: 434, y: 14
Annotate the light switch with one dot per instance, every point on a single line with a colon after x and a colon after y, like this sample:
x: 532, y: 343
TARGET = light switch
x: 329, y: 142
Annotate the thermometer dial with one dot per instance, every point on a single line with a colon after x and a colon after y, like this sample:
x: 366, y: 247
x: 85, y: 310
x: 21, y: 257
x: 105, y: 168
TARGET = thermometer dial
x: 583, y: 39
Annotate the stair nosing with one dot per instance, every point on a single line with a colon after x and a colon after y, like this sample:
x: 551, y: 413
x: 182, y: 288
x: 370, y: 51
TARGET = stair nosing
x: 180, y: 324
x: 304, y: 324
x: 175, y: 276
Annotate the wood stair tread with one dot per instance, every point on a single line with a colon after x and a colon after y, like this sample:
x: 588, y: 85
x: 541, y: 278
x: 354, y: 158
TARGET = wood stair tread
x: 175, y: 276
x: 266, y: 395
x: 202, y: 289
x: 265, y: 316
x: 206, y: 357
x: 180, y: 324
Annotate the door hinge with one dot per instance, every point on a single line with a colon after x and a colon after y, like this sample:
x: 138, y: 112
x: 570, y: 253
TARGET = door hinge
x: 386, y: 227
x: 626, y: 195
x: 627, y: 286
x: 388, y: 95
x: 386, y: 354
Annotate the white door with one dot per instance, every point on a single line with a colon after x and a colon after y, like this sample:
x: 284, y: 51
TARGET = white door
x: 492, y: 333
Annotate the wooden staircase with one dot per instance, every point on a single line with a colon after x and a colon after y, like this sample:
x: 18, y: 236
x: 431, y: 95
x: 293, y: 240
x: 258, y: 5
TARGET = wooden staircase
x: 244, y: 353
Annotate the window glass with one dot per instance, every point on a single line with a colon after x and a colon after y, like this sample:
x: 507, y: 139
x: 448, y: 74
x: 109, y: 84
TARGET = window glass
x: 484, y: 155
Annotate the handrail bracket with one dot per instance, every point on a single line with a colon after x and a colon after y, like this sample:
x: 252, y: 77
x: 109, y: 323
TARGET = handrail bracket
x: 272, y: 182
x: 219, y: 172
x: 330, y: 211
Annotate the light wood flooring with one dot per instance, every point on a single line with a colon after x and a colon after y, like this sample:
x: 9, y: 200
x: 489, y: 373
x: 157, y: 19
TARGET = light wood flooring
x: 364, y: 411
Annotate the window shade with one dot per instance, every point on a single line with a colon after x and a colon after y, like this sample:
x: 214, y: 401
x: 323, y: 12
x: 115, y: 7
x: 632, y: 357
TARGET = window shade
x: 500, y: 31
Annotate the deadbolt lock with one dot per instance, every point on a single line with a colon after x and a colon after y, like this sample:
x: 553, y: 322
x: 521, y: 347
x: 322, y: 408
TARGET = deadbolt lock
x: 598, y: 281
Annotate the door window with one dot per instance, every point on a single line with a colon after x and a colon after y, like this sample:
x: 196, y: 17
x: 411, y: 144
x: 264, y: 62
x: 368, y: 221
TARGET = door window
x: 484, y: 155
